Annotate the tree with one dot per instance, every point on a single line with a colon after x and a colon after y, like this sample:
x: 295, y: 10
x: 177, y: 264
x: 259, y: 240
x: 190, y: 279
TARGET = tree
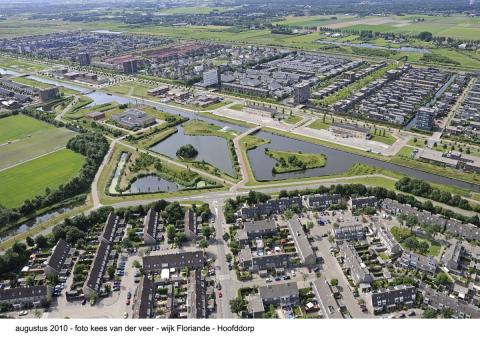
x: 187, y: 151
x: 226, y: 237
x: 171, y: 231
x: 423, y: 247
x: 111, y: 272
x: 425, y: 36
x: 30, y: 241
x: 429, y: 313
x: 271, y: 313
x: 229, y: 257
x: 41, y: 241
x: 203, y: 243
x: 207, y: 231
x: 237, y: 305
x: 442, y: 278
x: 334, y: 282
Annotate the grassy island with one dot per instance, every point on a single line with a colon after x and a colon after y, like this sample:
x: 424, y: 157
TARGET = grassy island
x: 289, y: 161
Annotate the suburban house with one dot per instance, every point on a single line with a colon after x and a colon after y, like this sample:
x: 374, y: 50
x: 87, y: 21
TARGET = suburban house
x: 174, y: 260
x: 304, y: 249
x: 352, y: 261
x: 19, y: 297
x: 143, y: 307
x: 279, y: 295
x: 392, y: 298
x: 56, y: 260
x: 150, y: 227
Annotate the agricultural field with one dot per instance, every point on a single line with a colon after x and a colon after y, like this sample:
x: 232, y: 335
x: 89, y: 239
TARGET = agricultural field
x: 30, y: 179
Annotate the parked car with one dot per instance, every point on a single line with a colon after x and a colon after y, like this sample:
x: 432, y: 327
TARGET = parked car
x: 129, y: 295
x: 220, y: 294
x: 23, y: 313
x: 125, y: 315
x: 127, y: 302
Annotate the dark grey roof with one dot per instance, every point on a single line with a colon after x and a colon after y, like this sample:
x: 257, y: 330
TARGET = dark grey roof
x: 144, y: 307
x: 94, y: 279
x: 191, y: 259
x: 302, y: 244
x: 328, y: 304
x: 110, y: 227
x: 275, y: 291
x: 150, y: 224
x: 59, y: 255
x: 39, y: 292
x: 258, y: 226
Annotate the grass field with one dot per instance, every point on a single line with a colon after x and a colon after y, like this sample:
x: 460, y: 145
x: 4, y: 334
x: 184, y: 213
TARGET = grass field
x: 293, y: 119
x: 19, y: 65
x: 19, y: 127
x: 40, y: 143
x: 32, y: 178
x: 319, y: 125
x: 31, y: 82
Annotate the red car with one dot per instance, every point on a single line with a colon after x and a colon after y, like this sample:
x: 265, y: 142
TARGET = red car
x: 127, y: 302
x: 220, y: 294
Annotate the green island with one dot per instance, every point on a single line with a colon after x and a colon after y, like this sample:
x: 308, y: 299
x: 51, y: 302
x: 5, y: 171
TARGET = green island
x: 288, y: 161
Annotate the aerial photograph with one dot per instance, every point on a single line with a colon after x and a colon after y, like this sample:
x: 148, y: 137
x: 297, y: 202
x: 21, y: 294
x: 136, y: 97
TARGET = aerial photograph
x: 239, y: 159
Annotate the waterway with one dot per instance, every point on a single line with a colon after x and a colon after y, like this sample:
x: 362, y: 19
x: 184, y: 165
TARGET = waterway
x: 375, y: 47
x: 214, y: 150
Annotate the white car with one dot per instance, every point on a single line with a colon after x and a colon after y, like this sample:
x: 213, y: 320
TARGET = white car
x: 268, y: 279
x: 125, y: 315
x: 23, y: 313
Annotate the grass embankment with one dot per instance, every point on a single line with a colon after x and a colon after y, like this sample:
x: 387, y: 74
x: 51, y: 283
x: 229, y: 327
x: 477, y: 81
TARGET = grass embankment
x: 288, y: 161
x: 31, y: 82
x: 30, y: 179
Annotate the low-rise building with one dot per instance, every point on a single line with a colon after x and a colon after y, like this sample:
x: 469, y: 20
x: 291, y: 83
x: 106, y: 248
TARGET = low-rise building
x: 362, y: 202
x: 143, y: 307
x: 173, y: 260
x: 352, y: 233
x: 94, y: 280
x: 133, y: 119
x: 393, y: 298
x: 57, y: 259
x: 321, y: 201
x: 453, y: 256
x: 260, y: 228
x: 283, y: 294
x: 255, y: 307
x: 304, y: 249
x: 36, y: 295
x: 150, y: 227
x: 393, y: 247
x: 352, y: 261
x: 190, y: 224
x: 440, y: 301
x: 327, y: 301
x: 413, y: 261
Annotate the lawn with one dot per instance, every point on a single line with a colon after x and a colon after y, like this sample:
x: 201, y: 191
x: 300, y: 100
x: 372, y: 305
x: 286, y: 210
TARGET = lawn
x: 319, y: 125
x: 293, y: 119
x: 251, y: 142
x: 40, y: 143
x: 385, y: 139
x: 19, y: 65
x: 237, y: 107
x: 288, y: 161
x: 31, y: 82
x: 203, y: 128
x: 30, y: 179
x: 19, y: 127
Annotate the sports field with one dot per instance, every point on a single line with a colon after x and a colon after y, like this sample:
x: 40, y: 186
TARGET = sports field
x: 40, y: 143
x: 27, y: 180
x: 19, y: 127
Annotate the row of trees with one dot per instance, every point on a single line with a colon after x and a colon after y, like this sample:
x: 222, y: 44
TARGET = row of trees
x: 94, y: 147
x: 421, y: 188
